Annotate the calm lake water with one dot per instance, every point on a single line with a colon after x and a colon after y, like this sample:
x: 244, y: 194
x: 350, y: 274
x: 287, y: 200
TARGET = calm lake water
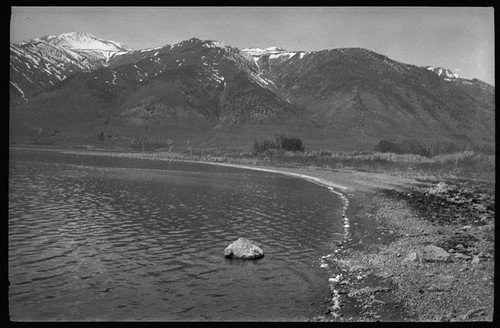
x: 109, y: 238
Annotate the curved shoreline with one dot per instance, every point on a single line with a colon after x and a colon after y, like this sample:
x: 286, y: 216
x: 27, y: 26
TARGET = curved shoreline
x: 322, y: 182
x: 332, y: 187
x: 297, y: 175
x: 335, y: 188
x: 374, y: 262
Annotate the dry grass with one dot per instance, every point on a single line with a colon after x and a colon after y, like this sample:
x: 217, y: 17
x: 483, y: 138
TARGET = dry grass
x: 464, y: 164
x: 467, y: 164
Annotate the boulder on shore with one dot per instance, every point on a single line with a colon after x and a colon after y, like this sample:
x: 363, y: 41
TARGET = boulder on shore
x: 441, y: 188
x: 414, y: 257
x: 243, y: 249
x: 430, y: 253
x: 436, y: 254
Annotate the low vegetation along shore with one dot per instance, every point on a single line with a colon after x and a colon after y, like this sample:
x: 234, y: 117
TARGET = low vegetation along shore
x: 421, y: 231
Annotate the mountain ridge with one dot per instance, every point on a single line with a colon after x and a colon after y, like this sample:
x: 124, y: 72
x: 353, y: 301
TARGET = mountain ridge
x: 347, y: 96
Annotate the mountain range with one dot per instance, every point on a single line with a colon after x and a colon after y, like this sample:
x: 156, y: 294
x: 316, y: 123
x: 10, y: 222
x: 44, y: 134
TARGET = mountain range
x: 78, y: 88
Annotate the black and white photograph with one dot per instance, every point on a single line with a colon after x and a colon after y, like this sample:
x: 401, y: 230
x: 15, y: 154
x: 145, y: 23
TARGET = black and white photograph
x: 251, y: 164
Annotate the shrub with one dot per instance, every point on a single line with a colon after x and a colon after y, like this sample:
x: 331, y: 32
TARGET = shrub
x: 385, y: 146
x: 280, y: 142
x: 292, y: 144
x: 260, y: 147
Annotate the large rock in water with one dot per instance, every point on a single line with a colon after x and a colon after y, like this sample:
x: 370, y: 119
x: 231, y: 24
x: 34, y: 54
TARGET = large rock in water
x: 243, y: 249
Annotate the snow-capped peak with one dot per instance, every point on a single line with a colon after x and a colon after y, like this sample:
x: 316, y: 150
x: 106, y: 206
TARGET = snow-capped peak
x: 443, y: 72
x: 260, y: 52
x: 276, y: 49
x: 273, y: 53
x: 83, y: 41
x: 205, y: 43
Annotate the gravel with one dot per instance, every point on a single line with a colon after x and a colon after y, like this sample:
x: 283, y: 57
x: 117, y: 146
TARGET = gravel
x: 414, y: 288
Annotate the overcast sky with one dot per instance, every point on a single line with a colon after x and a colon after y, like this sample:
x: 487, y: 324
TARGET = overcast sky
x: 461, y: 39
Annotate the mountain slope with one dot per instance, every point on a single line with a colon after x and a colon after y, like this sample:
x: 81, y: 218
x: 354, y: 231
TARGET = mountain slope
x: 369, y: 96
x: 217, y: 95
x: 195, y: 86
x: 38, y: 64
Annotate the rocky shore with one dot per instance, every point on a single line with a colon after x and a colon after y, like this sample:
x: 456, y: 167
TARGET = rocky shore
x: 430, y: 257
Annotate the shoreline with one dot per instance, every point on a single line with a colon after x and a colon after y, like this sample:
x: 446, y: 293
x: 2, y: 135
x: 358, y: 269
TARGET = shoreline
x: 370, y: 279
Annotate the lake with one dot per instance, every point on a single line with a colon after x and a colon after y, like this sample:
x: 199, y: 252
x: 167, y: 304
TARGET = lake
x: 113, y: 238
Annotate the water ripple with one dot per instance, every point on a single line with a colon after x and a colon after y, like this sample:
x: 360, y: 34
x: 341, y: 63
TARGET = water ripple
x: 129, y: 241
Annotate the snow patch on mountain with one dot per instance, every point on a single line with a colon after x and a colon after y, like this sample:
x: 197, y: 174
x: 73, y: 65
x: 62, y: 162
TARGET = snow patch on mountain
x: 84, y: 41
x: 274, y: 53
x: 77, y: 48
x: 444, y: 72
x: 284, y: 55
x: 38, y: 63
x: 18, y: 89
x: 265, y: 83
x: 260, y: 52
x: 214, y: 44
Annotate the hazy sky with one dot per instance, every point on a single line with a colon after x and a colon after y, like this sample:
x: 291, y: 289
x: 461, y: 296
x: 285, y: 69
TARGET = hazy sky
x: 461, y: 38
